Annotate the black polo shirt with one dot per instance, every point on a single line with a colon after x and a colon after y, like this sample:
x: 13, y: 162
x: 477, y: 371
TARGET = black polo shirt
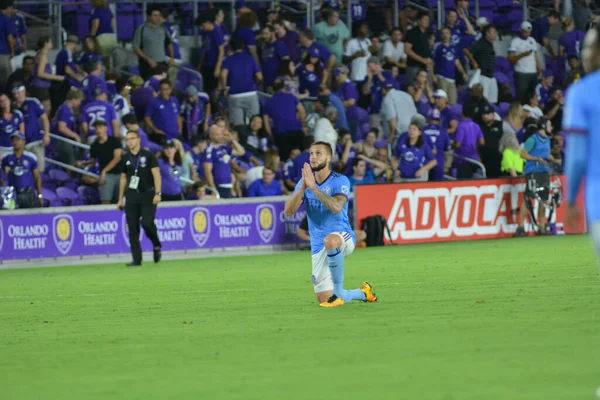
x: 490, y: 154
x: 104, y: 153
x: 485, y: 55
x: 420, y: 45
x: 145, y: 161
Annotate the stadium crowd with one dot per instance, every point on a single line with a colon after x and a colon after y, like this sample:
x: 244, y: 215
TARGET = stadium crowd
x: 411, y: 104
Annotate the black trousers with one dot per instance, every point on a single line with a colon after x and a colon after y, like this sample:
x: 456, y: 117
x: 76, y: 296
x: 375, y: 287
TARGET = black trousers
x: 145, y: 70
x: 28, y: 199
x: 139, y: 206
x: 287, y: 141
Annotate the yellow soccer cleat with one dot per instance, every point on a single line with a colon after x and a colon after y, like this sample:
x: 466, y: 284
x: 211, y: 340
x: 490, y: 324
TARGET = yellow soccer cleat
x: 367, y: 289
x: 333, y: 301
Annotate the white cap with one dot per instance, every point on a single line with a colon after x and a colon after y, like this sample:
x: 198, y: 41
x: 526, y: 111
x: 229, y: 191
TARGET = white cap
x: 526, y: 26
x: 482, y: 21
x: 440, y: 93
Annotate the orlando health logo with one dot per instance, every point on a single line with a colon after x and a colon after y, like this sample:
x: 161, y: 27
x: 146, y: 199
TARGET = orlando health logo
x: 265, y: 222
x: 200, y: 225
x: 63, y: 232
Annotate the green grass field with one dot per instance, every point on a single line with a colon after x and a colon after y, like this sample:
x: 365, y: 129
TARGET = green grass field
x: 506, y: 319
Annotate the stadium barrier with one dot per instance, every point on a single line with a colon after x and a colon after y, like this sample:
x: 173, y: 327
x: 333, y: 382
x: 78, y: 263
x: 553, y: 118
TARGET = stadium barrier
x: 450, y: 211
x: 187, y: 226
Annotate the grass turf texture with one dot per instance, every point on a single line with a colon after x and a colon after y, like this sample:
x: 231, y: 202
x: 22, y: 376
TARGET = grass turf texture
x: 506, y: 319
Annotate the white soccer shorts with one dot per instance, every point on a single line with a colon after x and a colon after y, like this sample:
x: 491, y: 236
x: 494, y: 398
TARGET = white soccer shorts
x: 594, y: 228
x: 321, y: 277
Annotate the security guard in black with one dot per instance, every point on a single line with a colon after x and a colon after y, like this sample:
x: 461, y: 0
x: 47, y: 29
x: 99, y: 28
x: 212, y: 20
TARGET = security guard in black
x: 140, y: 185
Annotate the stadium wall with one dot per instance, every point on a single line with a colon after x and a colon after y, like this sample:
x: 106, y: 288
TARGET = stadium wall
x: 449, y: 211
x: 92, y: 231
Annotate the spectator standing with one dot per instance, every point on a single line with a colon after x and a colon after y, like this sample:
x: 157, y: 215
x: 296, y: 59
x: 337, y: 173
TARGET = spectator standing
x: 217, y: 168
x: 327, y: 97
x: 122, y: 104
x: 150, y: 41
x: 188, y: 169
x: 477, y: 101
x: 522, y: 52
x: 99, y: 110
x: 20, y: 30
x: 170, y: 166
x: 11, y: 121
x: 467, y: 140
x: 413, y: 158
x: 554, y: 108
x: 43, y: 76
x: 174, y: 35
x: 239, y: 77
x: 140, y: 96
x: 492, y: 133
x: 7, y: 43
x: 445, y: 58
x: 448, y: 120
x: 332, y: 33
x: 515, y: 117
x: 324, y: 130
x: 483, y: 58
x: 65, y: 124
x: 213, y: 51
x: 551, y: 32
x: 22, y: 76
x: 141, y: 186
x: 37, y: 124
x: 439, y: 142
x: 65, y: 63
x: 417, y: 47
x: 107, y: 151
x: 288, y: 38
x: 512, y: 163
x: 195, y: 113
x: 358, y: 51
x: 267, y: 186
x: 158, y: 74
x: 348, y: 94
x: 421, y: 92
x: 23, y: 174
x: 310, y: 74
x: 318, y: 50
x: 91, y: 51
x: 162, y: 116
x: 245, y: 33
x: 273, y: 52
x: 103, y: 28
x: 569, y: 43
x: 542, y: 89
x: 93, y: 84
x: 393, y: 50
x: 284, y: 118
x: 376, y: 78
x: 397, y: 109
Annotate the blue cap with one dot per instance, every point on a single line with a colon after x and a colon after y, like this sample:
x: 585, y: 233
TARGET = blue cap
x: 388, y: 84
x: 17, y: 134
x: 548, y: 73
x: 434, y: 113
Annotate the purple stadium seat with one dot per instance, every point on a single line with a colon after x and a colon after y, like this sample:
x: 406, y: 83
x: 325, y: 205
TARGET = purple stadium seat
x: 44, y: 176
x: 50, y: 199
x: 81, y: 190
x: 504, y: 66
x: 59, y: 176
x: 71, y: 184
x: 66, y: 194
x: 501, y: 78
x: 50, y: 185
x: 457, y: 110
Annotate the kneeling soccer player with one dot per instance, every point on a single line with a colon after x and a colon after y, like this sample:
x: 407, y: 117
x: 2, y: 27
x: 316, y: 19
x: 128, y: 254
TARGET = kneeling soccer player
x: 326, y: 195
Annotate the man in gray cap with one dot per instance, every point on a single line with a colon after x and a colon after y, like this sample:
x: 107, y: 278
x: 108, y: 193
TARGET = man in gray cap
x: 397, y: 110
x: 195, y: 112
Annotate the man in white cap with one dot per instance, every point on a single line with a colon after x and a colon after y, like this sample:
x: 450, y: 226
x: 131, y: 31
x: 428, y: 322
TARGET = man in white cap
x: 522, y: 52
x: 397, y: 109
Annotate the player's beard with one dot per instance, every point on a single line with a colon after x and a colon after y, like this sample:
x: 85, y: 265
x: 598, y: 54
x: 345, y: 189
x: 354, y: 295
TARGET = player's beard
x: 318, y: 167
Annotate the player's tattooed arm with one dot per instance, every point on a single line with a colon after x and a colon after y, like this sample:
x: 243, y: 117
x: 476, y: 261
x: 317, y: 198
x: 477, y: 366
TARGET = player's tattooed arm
x: 335, y: 204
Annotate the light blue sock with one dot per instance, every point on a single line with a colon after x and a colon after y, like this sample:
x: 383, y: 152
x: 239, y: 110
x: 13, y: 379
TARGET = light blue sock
x: 335, y: 260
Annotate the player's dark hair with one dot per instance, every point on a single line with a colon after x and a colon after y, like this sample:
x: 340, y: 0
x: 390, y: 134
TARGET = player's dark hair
x: 327, y: 146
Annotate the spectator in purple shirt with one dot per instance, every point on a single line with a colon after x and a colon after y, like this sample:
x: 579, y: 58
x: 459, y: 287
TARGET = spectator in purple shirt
x: 569, y: 43
x: 288, y: 38
x: 7, y: 42
x: 439, y: 141
x: 213, y: 51
x: 245, y: 32
x: 170, y: 166
x: 43, y: 76
x: 195, y: 113
x: 103, y: 28
x: 65, y: 124
x: 23, y: 174
x: 99, y: 110
x: 421, y: 92
x: 448, y: 120
x: 445, y: 58
x: 273, y: 52
x: 413, y: 158
x: 217, y: 167
x: 20, y: 29
x: 37, y: 124
x: 376, y: 78
x: 467, y: 140
x: 542, y: 90
x: 310, y: 74
x: 90, y: 51
x: 285, y: 118
x: 131, y: 124
x: 11, y: 121
x: 239, y: 76
x: 158, y: 74
x: 348, y: 93
x: 267, y: 186
x: 162, y: 116
x: 65, y: 62
x: 317, y: 50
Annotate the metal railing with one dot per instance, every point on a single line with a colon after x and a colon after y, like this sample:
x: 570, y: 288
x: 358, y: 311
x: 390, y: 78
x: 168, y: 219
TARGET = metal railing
x: 72, y: 168
x: 470, y: 161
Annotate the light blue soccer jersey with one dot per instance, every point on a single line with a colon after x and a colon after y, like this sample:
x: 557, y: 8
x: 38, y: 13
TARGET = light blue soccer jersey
x: 321, y: 221
x: 581, y: 121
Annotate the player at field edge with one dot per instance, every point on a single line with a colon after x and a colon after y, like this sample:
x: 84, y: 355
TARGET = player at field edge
x: 581, y: 121
x: 326, y: 195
